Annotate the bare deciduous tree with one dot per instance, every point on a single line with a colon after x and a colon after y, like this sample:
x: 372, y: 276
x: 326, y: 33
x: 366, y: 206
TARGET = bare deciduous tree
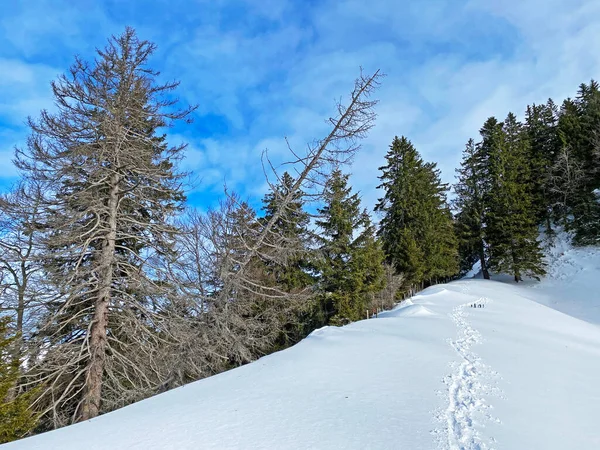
x: 387, y: 298
x: 565, y: 179
x: 23, y: 292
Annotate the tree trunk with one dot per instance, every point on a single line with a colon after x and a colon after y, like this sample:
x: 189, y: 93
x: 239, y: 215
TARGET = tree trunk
x: 20, y: 315
x: 92, y: 392
x: 18, y: 343
x: 516, y: 268
x: 484, y: 270
x: 21, y: 302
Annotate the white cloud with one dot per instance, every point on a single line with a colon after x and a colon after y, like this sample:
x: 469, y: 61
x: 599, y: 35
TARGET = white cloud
x: 439, y: 101
x: 43, y: 28
x: 24, y: 89
x: 449, y: 66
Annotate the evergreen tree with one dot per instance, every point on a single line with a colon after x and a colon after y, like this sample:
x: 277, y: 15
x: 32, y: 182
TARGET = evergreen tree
x: 439, y: 242
x: 579, y: 126
x: 473, y: 196
x: 292, y: 224
x: 511, y: 231
x: 295, y: 272
x: 470, y: 219
x: 16, y: 417
x: 588, y: 108
x: 416, y: 225
x: 351, y: 269
x: 400, y: 210
x: 541, y: 127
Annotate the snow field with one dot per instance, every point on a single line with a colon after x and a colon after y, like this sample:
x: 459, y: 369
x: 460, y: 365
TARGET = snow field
x: 430, y: 374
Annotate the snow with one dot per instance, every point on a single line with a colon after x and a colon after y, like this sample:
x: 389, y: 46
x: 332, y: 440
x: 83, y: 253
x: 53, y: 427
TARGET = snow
x: 434, y: 373
x: 573, y: 279
x: 475, y: 271
x: 571, y: 284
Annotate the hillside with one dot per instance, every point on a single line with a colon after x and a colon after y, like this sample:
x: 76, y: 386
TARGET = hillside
x: 435, y: 373
x: 571, y: 285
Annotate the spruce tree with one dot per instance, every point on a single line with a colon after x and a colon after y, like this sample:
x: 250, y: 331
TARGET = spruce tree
x: 351, y: 268
x: 588, y: 108
x: 293, y: 272
x: 511, y: 231
x: 416, y: 225
x: 542, y: 133
x: 16, y: 416
x: 580, y: 128
x: 292, y: 225
x: 439, y: 242
x: 470, y: 219
x: 400, y: 210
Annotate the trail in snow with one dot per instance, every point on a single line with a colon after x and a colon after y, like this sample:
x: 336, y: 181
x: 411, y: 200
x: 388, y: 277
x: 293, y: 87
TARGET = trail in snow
x: 467, y: 386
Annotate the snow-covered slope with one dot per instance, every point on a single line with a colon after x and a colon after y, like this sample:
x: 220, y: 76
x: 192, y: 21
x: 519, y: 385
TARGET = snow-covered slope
x: 572, y: 284
x: 435, y: 373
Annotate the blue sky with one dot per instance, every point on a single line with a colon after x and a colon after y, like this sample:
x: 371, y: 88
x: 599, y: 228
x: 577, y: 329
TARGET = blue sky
x: 260, y: 70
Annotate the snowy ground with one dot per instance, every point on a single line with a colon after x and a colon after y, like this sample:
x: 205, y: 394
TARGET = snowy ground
x: 435, y: 373
x: 572, y: 284
x: 573, y: 281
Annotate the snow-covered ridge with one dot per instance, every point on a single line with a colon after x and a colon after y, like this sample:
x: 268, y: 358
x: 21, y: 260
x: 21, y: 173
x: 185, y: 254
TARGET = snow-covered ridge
x: 434, y: 373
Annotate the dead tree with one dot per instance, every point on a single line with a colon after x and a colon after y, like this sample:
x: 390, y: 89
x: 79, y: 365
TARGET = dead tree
x: 111, y: 191
x: 239, y: 303
x: 351, y: 123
